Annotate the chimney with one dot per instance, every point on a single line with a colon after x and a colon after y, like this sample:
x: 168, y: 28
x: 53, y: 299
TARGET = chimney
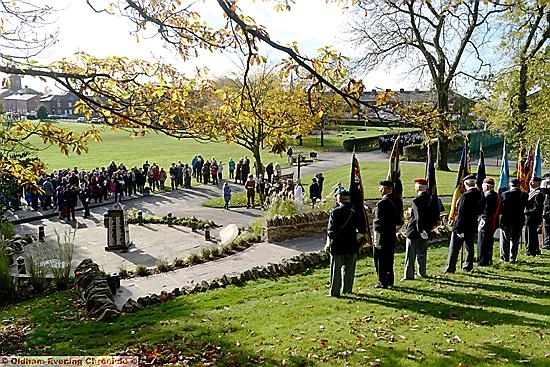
x: 402, y: 90
x: 388, y: 90
x: 416, y: 90
x: 374, y: 91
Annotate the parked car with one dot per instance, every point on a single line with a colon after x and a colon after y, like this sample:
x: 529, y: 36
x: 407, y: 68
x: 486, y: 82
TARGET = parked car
x: 94, y: 120
x: 81, y: 119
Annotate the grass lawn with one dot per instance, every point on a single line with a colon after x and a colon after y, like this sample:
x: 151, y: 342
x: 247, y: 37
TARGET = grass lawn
x: 371, y: 174
x: 121, y: 146
x: 493, y: 316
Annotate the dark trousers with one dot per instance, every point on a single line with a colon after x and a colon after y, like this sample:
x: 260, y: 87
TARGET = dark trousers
x: 250, y: 195
x: 485, y: 241
x: 454, y: 249
x: 383, y: 262
x: 532, y: 239
x: 509, y: 242
x: 546, y: 234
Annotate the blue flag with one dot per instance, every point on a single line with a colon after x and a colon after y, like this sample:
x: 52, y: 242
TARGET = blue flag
x: 537, y: 171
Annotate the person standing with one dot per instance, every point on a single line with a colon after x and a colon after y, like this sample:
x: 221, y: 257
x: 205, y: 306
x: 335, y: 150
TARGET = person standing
x: 250, y: 187
x: 84, y: 196
x: 320, y: 181
x: 533, y: 216
x: 511, y: 220
x: 226, y: 191
x: 342, y: 231
x: 387, y: 218
x: 313, y: 191
x: 465, y: 225
x: 231, y: 167
x: 545, y: 185
x: 487, y: 224
x: 299, y: 196
x: 47, y: 186
x: 173, y: 176
x: 418, y: 229
x: 269, y: 172
x: 289, y: 153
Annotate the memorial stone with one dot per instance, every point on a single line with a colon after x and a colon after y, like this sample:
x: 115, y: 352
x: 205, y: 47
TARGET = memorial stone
x: 118, y: 234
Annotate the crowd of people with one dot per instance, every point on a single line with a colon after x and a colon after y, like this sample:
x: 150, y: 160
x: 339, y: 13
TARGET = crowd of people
x: 386, y: 143
x: 479, y: 213
x: 62, y: 189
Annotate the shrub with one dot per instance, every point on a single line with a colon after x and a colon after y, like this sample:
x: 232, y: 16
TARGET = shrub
x: 206, y: 252
x: 123, y: 272
x: 179, y: 263
x: 7, y: 286
x: 163, y: 266
x: 142, y: 270
x: 280, y: 206
x: 6, y: 230
x: 60, y: 259
x: 215, y: 251
x: 193, y: 258
x: 37, y: 272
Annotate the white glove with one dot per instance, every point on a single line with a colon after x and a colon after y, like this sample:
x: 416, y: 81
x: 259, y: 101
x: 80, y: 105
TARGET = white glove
x: 460, y: 235
x: 424, y: 235
x: 481, y: 224
x: 376, y: 240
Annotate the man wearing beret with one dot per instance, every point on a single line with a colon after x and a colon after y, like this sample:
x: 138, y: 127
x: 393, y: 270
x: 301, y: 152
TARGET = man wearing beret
x: 487, y: 224
x: 533, y: 216
x: 469, y: 206
x: 343, y: 227
x: 387, y: 218
x: 418, y: 228
x: 511, y: 220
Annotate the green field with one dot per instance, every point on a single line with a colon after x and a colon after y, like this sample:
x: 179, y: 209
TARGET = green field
x: 491, y: 317
x: 123, y: 146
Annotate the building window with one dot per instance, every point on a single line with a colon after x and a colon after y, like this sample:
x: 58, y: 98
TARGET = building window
x: 58, y: 104
x: 70, y: 104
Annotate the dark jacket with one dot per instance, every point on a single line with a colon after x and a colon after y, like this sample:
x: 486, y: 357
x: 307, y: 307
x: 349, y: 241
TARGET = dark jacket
x: 343, y: 225
x: 534, y: 207
x: 512, y: 207
x: 386, y: 219
x: 489, y: 213
x: 420, y: 216
x: 470, y: 206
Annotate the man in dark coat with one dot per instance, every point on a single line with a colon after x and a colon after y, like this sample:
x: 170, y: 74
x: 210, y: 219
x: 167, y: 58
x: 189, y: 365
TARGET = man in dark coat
x: 533, y: 216
x: 343, y: 227
x: 487, y: 224
x: 511, y: 220
x: 546, y: 213
x: 387, y: 218
x: 418, y: 229
x: 470, y: 205
x: 314, y: 191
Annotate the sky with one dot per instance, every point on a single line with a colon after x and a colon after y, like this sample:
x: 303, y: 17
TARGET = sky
x: 312, y: 24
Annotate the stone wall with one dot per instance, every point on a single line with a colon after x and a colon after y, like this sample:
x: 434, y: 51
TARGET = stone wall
x: 301, y: 225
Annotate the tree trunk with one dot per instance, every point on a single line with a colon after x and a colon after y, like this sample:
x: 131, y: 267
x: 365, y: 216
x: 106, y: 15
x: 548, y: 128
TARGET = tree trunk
x: 442, y: 150
x: 322, y: 137
x: 258, y: 160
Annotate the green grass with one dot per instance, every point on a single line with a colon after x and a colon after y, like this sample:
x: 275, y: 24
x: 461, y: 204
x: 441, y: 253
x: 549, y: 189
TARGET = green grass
x: 122, y: 146
x: 371, y: 173
x: 491, y: 317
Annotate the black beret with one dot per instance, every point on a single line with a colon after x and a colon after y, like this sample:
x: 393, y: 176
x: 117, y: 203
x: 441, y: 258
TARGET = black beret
x: 536, y: 179
x: 343, y: 193
x: 469, y: 177
x: 489, y: 181
x: 515, y: 182
x: 386, y: 183
x: 546, y: 175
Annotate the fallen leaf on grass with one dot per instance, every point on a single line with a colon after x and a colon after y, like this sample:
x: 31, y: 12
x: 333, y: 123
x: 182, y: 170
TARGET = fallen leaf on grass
x: 523, y: 361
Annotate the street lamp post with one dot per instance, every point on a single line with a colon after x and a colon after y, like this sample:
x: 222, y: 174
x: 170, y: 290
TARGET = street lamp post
x: 299, y: 161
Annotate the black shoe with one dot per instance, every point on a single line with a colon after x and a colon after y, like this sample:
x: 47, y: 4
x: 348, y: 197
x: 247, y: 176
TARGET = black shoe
x: 546, y: 247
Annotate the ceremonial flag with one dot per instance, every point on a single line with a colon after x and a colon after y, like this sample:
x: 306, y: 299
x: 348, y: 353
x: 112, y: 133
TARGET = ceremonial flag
x: 357, y: 196
x: 463, y: 171
x: 481, y: 174
x: 525, y: 171
x: 394, y: 170
x: 432, y: 187
x: 504, y: 178
x: 537, y: 170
